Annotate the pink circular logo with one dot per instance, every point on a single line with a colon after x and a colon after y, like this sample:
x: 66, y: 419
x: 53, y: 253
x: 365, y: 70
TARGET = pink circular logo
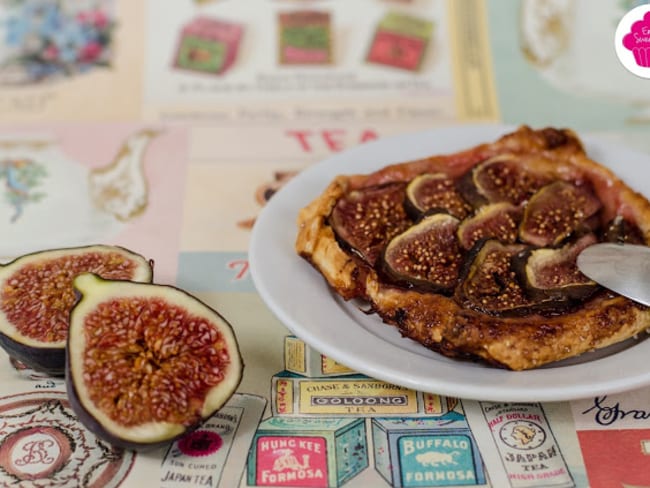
x: 41, y: 444
x: 632, y: 41
x: 35, y: 453
x: 200, y: 443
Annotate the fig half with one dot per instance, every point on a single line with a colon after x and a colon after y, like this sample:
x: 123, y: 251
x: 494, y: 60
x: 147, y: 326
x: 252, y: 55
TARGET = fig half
x: 435, y: 191
x: 427, y: 255
x: 501, y: 179
x: 498, y: 220
x: 556, y: 211
x: 36, y: 296
x: 147, y: 363
x: 623, y: 231
x: 553, y: 273
x: 366, y: 219
x: 489, y: 282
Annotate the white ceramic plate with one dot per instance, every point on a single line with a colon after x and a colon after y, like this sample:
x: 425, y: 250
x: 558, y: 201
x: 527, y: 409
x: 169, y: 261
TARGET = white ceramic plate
x: 300, y: 298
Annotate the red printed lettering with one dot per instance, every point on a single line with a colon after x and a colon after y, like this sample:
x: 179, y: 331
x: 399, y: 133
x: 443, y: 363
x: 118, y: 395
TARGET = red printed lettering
x: 241, y: 265
x: 301, y: 136
x: 331, y: 138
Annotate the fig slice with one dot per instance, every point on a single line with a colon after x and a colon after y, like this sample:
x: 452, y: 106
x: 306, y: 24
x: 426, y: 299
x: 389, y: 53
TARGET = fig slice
x: 498, y: 220
x: 36, y: 296
x: 553, y: 273
x: 427, y: 255
x: 435, y: 192
x: 501, y: 179
x: 556, y: 211
x: 623, y: 231
x: 489, y: 282
x: 366, y: 219
x: 147, y: 363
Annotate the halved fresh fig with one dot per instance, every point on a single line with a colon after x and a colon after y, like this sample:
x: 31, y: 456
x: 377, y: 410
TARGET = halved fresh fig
x: 501, y: 179
x: 553, y: 273
x: 623, y: 231
x: 146, y: 363
x: 556, y: 211
x: 435, y: 191
x: 426, y: 255
x: 498, y: 220
x: 489, y: 282
x: 36, y: 296
x: 366, y: 219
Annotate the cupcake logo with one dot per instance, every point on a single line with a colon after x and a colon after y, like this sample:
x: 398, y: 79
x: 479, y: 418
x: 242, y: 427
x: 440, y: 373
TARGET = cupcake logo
x: 632, y: 41
x: 638, y: 41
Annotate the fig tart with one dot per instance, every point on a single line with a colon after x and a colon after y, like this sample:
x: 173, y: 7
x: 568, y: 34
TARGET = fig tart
x: 473, y: 254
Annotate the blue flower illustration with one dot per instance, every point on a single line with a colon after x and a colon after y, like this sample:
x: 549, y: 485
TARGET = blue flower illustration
x: 50, y: 40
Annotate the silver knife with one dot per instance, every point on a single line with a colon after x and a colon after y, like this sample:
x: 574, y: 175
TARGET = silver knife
x: 623, y: 268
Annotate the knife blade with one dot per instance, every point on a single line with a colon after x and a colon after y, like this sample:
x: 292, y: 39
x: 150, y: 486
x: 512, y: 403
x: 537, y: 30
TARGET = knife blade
x: 623, y: 268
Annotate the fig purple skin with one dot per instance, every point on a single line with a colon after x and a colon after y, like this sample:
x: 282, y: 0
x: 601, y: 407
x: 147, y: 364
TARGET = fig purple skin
x: 49, y: 360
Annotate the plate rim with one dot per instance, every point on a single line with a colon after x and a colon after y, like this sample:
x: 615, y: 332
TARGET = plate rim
x: 510, y: 382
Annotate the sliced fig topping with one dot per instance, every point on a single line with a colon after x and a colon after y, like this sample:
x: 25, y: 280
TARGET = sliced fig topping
x: 556, y: 211
x: 36, y: 296
x: 435, y: 191
x: 146, y: 363
x: 427, y: 254
x: 623, y: 231
x: 553, y: 272
x: 490, y: 283
x: 501, y: 179
x: 367, y: 219
x: 498, y: 220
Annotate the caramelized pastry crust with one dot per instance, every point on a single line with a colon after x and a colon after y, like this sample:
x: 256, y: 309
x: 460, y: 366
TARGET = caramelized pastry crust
x: 472, y: 254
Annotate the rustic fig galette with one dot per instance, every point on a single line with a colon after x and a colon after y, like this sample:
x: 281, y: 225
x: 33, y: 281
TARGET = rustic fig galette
x: 473, y: 254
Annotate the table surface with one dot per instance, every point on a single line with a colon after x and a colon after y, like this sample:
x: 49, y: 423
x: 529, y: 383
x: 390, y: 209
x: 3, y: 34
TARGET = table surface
x: 167, y: 129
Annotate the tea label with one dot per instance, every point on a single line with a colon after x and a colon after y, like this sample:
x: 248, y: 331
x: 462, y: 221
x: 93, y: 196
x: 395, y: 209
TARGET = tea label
x: 198, y: 458
x: 304, y: 37
x: 400, y: 41
x: 307, y: 452
x: 436, y: 460
x: 526, y: 445
x: 214, y: 454
x: 331, y: 367
x: 288, y: 461
x: 208, y: 45
x: 300, y: 358
x: 349, y: 395
x: 427, y: 451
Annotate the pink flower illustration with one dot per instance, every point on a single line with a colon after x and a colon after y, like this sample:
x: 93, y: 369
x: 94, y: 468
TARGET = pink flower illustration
x: 50, y: 53
x: 83, y: 17
x: 101, y: 19
x: 96, y: 18
x: 90, y: 52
